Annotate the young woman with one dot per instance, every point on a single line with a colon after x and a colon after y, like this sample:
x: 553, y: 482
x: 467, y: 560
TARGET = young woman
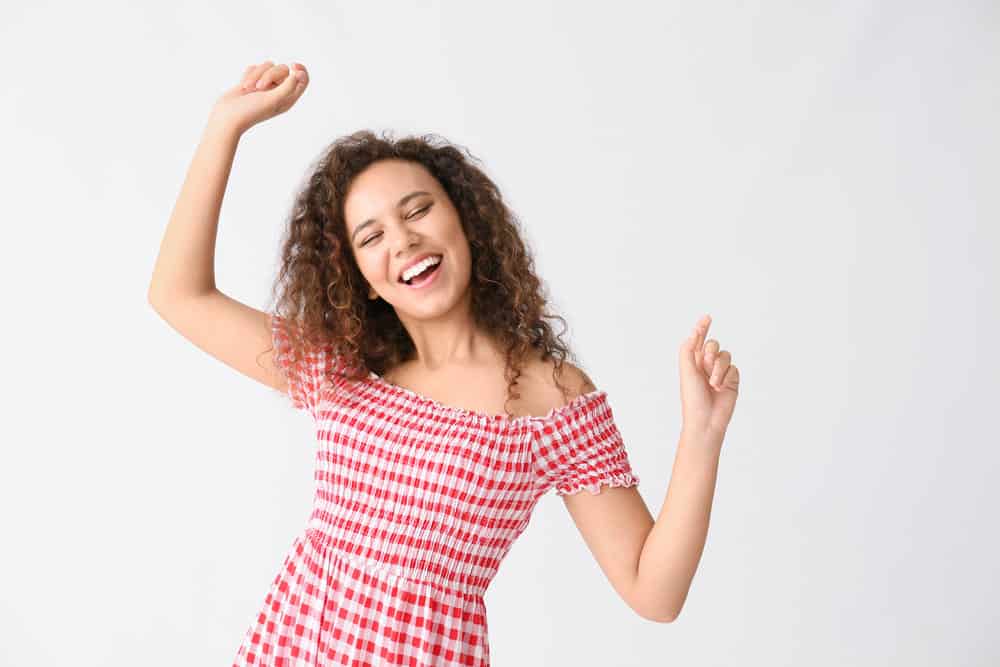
x: 412, y: 328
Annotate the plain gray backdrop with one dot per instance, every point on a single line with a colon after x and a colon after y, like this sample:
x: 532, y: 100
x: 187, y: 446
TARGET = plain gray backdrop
x: 821, y: 178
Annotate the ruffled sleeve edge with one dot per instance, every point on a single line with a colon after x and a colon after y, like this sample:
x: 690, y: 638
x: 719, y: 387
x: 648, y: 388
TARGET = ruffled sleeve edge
x: 617, y: 479
x: 595, y: 404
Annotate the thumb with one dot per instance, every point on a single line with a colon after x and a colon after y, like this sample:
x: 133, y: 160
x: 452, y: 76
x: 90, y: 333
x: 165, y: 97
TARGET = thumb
x: 285, y: 87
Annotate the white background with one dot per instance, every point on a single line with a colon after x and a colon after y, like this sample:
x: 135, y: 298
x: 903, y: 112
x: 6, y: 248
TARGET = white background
x: 821, y: 178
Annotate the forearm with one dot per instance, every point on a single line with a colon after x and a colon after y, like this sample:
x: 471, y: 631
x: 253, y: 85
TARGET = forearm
x: 672, y: 550
x: 185, y: 265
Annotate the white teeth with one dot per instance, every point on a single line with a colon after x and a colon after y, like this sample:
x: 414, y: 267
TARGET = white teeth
x: 420, y: 266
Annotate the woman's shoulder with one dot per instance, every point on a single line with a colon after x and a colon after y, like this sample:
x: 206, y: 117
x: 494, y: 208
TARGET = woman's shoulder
x: 542, y: 393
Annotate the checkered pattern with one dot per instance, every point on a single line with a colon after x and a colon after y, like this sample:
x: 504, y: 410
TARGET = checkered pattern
x: 579, y: 447
x: 416, y: 505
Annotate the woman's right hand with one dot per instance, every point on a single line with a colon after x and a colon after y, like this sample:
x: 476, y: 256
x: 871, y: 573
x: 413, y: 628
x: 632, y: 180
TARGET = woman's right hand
x: 264, y: 91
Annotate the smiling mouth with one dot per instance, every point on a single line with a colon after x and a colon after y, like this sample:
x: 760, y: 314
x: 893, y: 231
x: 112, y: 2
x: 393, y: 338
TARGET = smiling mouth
x: 424, y: 275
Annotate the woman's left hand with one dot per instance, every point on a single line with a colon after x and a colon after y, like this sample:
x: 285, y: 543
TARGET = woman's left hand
x: 709, y: 384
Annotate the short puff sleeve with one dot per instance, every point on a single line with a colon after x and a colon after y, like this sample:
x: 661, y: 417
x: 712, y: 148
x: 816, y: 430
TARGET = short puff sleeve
x: 306, y: 375
x: 578, y: 446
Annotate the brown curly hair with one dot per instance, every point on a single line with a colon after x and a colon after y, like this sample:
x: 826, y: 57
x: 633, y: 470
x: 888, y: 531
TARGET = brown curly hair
x: 322, y: 290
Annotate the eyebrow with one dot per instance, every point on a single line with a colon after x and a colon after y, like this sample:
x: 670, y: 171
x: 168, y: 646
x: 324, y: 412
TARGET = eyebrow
x: 400, y: 204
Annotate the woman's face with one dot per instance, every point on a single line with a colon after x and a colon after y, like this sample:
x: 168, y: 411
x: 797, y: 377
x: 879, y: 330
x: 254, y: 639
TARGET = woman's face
x: 389, y: 227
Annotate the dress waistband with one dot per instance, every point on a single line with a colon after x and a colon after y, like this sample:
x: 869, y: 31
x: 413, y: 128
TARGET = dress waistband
x: 322, y: 543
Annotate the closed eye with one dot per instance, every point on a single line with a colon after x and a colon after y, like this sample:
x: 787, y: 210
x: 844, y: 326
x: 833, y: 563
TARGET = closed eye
x: 419, y: 210
x: 375, y: 236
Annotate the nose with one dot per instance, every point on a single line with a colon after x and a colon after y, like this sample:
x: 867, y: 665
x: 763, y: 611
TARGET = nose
x: 407, y: 239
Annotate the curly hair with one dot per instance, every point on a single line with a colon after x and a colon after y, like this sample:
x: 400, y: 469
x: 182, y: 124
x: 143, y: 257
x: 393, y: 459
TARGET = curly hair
x: 322, y: 291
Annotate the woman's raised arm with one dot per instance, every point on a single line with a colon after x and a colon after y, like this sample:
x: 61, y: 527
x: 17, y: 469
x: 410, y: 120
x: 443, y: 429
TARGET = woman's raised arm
x: 182, y: 290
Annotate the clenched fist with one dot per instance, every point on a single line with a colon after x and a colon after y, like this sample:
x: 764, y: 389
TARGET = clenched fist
x: 264, y: 91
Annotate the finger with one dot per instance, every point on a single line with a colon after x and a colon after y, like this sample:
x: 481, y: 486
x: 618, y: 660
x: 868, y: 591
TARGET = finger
x: 696, y: 344
x: 299, y: 71
x: 255, y: 74
x: 693, y: 344
x: 732, y: 379
x: 250, y: 77
x: 702, y: 328
x: 271, y: 75
x: 689, y: 350
x: 685, y: 354
x: 711, y: 351
x: 722, y: 364
x: 302, y: 81
x: 287, y: 86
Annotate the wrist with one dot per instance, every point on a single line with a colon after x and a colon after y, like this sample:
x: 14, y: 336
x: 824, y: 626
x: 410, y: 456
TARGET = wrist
x: 219, y: 124
x: 701, y: 438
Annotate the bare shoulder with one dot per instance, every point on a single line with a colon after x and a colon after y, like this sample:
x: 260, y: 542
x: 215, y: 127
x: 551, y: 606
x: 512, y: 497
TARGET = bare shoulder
x: 543, y: 393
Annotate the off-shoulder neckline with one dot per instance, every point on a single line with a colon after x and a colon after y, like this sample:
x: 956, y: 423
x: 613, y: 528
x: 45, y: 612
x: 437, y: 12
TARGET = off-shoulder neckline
x: 465, y: 413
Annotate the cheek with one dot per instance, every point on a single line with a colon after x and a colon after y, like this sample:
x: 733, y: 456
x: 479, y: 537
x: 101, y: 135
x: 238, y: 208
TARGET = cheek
x: 462, y: 244
x: 369, y: 271
x: 458, y: 240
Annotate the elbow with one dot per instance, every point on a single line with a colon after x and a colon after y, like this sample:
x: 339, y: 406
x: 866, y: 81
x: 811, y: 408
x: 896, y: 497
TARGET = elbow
x: 153, y: 298
x: 662, y: 618
x: 657, y: 615
x: 658, y: 607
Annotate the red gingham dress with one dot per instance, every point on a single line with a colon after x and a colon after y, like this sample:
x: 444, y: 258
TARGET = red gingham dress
x: 416, y: 505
